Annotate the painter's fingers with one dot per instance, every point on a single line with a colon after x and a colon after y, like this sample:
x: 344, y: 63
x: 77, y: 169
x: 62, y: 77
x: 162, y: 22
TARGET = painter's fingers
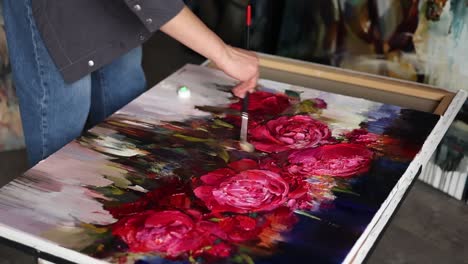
x: 245, y: 87
x: 254, y: 83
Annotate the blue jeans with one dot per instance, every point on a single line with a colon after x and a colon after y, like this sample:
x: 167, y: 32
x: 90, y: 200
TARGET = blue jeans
x: 54, y: 112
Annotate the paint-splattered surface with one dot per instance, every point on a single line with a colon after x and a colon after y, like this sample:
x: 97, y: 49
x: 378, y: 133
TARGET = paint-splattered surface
x: 164, y: 177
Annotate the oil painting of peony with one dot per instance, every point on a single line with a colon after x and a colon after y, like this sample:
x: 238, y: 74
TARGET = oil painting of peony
x: 164, y: 179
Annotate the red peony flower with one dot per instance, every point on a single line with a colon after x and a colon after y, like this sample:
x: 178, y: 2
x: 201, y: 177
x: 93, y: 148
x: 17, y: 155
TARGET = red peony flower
x: 240, y: 228
x: 319, y: 103
x: 274, y: 162
x: 168, y: 232
x: 362, y: 136
x: 242, y: 191
x: 264, y: 104
x: 287, y: 133
x: 341, y: 160
x: 305, y: 193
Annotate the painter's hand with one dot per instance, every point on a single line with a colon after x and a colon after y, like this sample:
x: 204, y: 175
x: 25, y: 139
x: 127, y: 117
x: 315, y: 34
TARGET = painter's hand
x: 241, y: 65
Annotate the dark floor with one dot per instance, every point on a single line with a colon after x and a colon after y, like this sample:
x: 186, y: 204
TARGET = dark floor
x: 430, y: 227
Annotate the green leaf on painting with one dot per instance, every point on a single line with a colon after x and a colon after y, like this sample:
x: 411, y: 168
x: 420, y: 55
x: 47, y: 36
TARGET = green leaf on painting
x: 202, y: 129
x: 224, y: 155
x: 341, y: 190
x: 307, y: 106
x: 192, y: 259
x: 94, y: 229
x: 340, y: 138
x: 119, y: 181
x: 243, y: 258
x: 247, y: 259
x: 299, y: 212
x: 293, y: 94
x: 116, y: 191
x: 221, y: 123
x: 253, y: 215
x: 192, y: 139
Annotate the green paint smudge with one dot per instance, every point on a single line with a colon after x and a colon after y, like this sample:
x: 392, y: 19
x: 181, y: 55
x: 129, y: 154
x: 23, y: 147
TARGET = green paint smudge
x: 307, y: 215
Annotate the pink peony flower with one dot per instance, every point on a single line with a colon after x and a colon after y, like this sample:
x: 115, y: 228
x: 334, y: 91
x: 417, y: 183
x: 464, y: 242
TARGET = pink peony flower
x: 167, y: 232
x: 362, y: 136
x: 286, y: 133
x: 340, y: 160
x: 250, y: 190
x: 240, y: 228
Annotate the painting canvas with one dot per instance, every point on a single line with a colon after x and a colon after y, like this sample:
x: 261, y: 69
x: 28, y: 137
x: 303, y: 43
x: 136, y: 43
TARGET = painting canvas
x: 164, y: 179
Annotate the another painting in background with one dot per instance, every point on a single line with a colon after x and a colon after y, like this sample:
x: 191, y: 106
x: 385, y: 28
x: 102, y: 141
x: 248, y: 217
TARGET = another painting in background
x: 415, y: 40
x: 444, y: 43
x: 448, y: 168
x: 11, y: 132
x: 164, y: 180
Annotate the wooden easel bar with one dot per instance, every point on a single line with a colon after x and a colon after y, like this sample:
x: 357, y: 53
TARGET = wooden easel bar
x: 357, y: 84
x: 364, y: 80
x: 444, y: 104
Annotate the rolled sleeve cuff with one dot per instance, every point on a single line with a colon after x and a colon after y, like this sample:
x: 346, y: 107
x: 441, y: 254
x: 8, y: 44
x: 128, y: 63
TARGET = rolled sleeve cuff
x: 155, y: 13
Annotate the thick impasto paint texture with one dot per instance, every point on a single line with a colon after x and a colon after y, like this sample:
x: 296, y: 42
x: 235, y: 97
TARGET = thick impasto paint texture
x: 164, y: 179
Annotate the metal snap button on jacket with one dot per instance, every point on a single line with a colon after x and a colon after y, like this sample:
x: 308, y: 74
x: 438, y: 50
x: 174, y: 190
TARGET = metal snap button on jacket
x: 107, y: 29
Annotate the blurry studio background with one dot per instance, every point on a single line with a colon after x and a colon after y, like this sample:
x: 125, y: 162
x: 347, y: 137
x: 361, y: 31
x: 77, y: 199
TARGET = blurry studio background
x: 418, y: 40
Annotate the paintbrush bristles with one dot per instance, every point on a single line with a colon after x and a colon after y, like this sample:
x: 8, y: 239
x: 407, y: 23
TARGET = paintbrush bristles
x: 247, y: 147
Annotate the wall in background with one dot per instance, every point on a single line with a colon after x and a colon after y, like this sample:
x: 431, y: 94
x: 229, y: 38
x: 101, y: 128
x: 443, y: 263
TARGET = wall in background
x: 11, y: 132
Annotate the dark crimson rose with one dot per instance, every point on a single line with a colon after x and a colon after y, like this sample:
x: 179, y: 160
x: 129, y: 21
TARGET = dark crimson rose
x: 168, y: 232
x: 169, y: 196
x: 274, y: 162
x: 264, y: 104
x: 362, y: 136
x: 286, y: 133
x: 319, y: 103
x: 240, y: 228
x: 244, y: 190
x: 340, y: 160
x: 243, y: 165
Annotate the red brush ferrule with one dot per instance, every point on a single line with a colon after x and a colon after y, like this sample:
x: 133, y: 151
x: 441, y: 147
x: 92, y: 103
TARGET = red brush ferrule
x: 249, y: 15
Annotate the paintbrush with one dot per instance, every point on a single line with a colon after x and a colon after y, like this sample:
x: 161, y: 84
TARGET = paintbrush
x: 244, y: 144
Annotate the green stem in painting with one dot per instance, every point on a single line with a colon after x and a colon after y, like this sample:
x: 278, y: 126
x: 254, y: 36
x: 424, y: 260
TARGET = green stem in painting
x: 192, y: 139
x: 340, y: 190
x: 299, y: 212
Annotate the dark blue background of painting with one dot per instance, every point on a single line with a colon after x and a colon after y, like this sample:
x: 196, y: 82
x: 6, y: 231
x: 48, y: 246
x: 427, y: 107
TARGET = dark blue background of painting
x: 343, y: 221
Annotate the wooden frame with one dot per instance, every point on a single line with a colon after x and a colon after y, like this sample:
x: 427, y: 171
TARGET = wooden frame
x: 376, y: 88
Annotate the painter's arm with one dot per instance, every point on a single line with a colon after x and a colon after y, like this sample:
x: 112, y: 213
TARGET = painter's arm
x: 239, y: 64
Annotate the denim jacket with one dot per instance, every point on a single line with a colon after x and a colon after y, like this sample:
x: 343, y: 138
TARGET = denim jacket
x: 84, y: 35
